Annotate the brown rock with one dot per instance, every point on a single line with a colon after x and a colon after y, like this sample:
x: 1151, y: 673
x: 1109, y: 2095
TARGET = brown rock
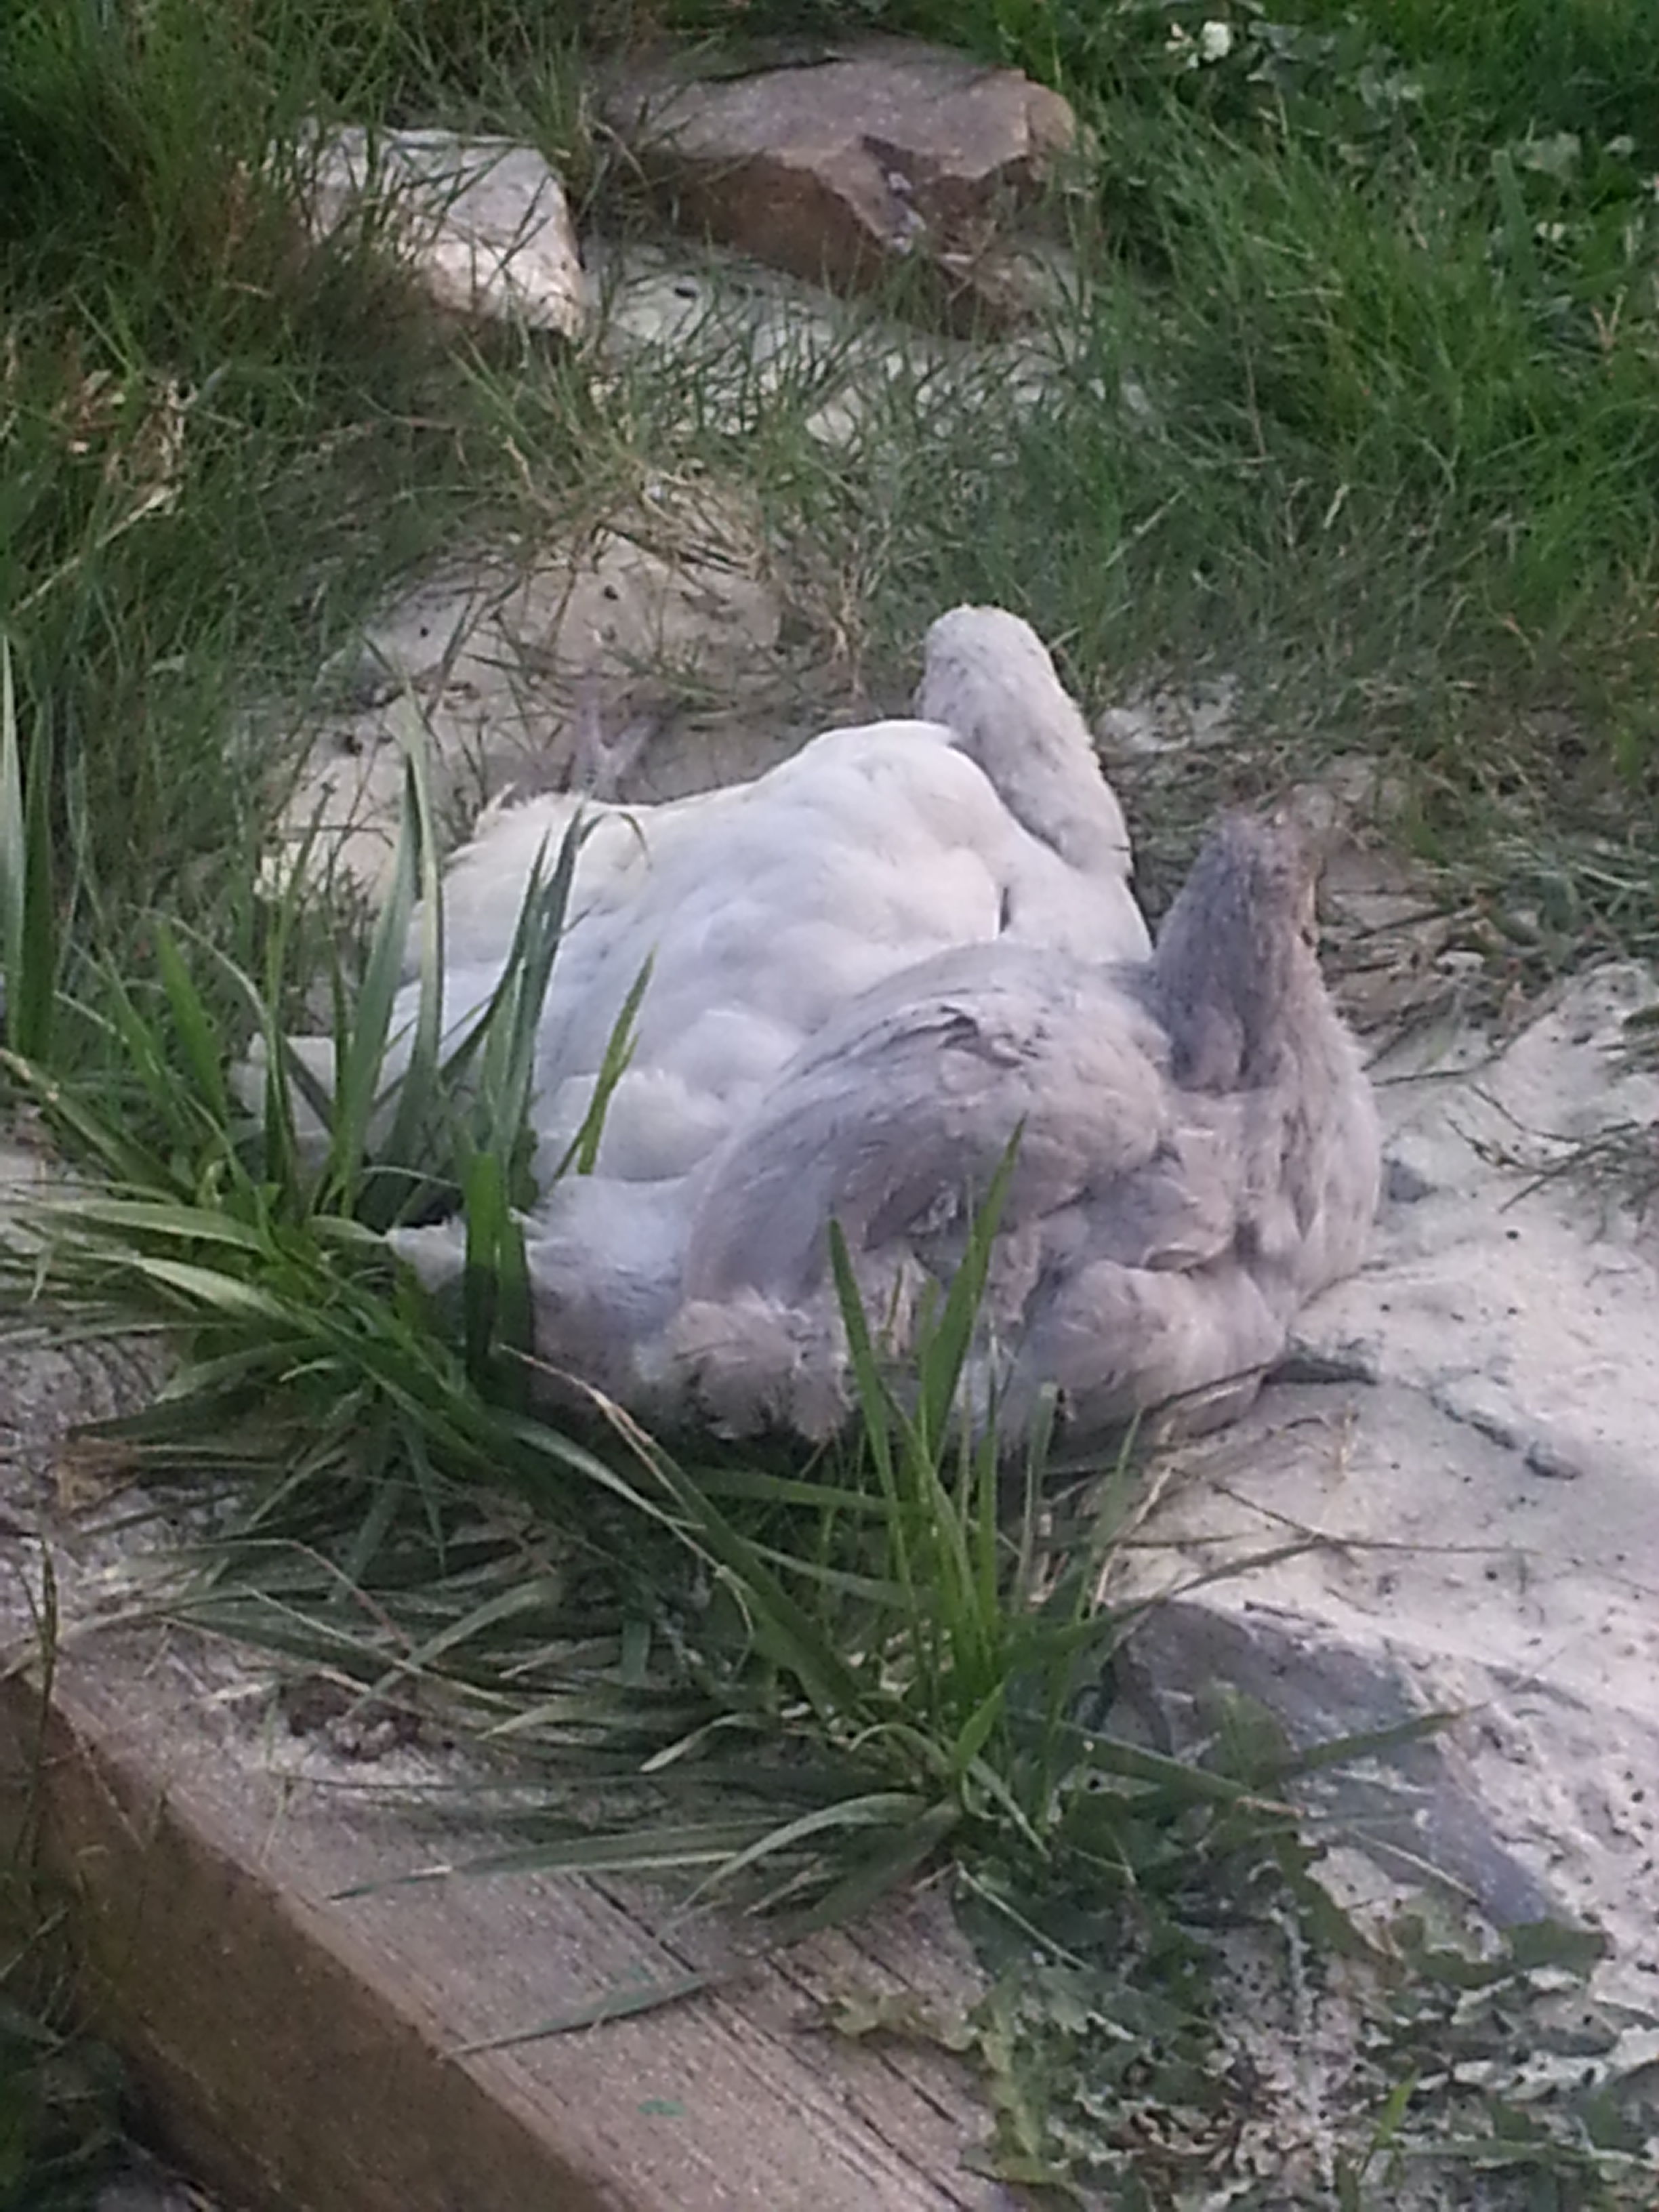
x: 875, y: 154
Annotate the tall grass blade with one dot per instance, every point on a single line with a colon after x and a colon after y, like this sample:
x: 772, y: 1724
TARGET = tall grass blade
x: 583, y: 1151
x: 13, y: 835
x: 29, y: 955
x: 360, y: 1048
x: 953, y: 1337
x: 496, y: 1286
x: 420, y: 1082
x: 626, y: 2002
x: 205, y: 1050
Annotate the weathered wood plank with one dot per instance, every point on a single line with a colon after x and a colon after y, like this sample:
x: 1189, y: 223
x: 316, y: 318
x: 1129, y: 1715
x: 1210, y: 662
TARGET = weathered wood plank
x: 303, y: 2051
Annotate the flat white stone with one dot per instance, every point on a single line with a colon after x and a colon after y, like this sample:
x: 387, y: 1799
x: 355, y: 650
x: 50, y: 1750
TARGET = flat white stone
x: 750, y: 338
x: 484, y: 222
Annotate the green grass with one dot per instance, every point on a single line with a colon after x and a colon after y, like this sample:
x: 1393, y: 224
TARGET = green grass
x: 1359, y: 402
x: 60, y: 2100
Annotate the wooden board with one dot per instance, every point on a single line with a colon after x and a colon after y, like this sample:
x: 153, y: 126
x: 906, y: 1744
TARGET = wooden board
x: 305, y: 2052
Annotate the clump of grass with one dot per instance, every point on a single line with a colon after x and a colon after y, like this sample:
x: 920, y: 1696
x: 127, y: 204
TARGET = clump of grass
x: 243, y: 1230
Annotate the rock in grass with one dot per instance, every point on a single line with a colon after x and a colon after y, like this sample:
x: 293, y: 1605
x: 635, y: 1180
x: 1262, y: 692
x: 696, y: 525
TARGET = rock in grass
x: 869, y: 155
x: 484, y: 223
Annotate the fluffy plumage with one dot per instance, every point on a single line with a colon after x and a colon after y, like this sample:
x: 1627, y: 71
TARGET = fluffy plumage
x: 1198, y: 1157
x: 767, y: 906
